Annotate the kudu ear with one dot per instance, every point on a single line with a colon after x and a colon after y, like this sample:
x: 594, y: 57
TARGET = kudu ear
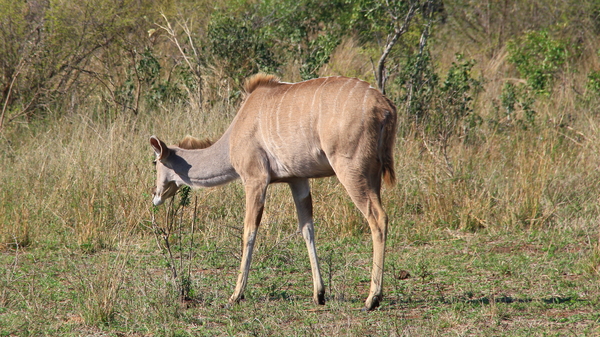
x: 160, y: 148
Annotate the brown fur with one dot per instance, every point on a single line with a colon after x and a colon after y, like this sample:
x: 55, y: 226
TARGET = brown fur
x: 260, y: 80
x: 191, y: 143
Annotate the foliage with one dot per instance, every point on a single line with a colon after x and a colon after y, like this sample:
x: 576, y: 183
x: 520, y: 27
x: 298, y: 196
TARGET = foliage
x: 517, y: 98
x: 538, y: 58
x: 593, y: 82
x: 487, y: 26
x: 307, y: 31
x: 240, y: 45
x: 319, y: 51
x: 52, y: 46
x: 248, y: 37
x: 375, y: 20
x: 443, y: 109
x: 74, y: 53
x: 394, y: 31
x: 420, y: 81
x: 457, y: 94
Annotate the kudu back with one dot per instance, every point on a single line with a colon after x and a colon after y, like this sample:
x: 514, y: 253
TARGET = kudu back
x: 288, y: 133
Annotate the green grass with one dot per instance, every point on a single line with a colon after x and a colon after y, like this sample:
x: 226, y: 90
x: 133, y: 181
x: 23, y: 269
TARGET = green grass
x: 510, y: 283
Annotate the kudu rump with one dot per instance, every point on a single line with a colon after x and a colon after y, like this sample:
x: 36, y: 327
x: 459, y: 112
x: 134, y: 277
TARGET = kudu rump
x: 288, y: 133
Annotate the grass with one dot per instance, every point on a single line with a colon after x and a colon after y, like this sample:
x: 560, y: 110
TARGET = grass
x: 532, y: 283
x: 498, y: 235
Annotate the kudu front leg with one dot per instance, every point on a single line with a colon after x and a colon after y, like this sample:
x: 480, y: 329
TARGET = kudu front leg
x: 255, y: 201
x: 304, y: 208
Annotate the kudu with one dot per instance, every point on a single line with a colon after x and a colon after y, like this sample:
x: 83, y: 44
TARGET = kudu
x: 289, y: 133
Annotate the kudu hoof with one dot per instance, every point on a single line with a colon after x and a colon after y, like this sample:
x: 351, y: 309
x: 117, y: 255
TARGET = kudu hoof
x: 371, y: 303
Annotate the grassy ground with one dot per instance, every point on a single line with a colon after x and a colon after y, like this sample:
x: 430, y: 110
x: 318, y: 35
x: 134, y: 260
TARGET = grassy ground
x: 505, y: 283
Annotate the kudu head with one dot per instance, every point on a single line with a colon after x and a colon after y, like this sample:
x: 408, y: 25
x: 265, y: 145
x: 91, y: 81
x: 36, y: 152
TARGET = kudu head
x: 166, y: 185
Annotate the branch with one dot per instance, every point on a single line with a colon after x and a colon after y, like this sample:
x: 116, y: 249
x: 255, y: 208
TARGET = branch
x: 97, y: 76
x: 12, y: 82
x: 173, y: 37
x: 398, y: 31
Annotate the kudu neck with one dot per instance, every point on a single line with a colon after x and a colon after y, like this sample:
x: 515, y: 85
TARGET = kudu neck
x: 206, y: 167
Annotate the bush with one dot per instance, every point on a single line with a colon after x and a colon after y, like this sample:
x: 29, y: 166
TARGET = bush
x: 238, y: 42
x: 538, y: 58
x: 444, y: 109
x: 58, y: 49
x: 514, y: 99
x: 593, y: 82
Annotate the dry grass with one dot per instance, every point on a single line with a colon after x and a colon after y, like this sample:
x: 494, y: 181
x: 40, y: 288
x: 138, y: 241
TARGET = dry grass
x: 349, y: 60
x: 84, y: 179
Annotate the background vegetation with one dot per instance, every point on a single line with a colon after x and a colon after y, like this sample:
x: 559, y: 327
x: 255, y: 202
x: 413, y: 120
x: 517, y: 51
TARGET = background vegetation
x: 493, y: 220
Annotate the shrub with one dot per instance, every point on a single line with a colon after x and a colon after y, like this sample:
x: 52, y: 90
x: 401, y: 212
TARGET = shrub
x: 593, y: 82
x: 538, y: 58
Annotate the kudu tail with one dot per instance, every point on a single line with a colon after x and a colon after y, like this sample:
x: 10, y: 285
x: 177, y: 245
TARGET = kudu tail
x: 387, y: 142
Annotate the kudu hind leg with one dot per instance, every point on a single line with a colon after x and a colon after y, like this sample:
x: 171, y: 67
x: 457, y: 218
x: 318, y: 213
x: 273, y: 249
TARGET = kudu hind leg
x: 378, y: 221
x: 255, y: 201
x: 366, y: 195
x: 302, y: 199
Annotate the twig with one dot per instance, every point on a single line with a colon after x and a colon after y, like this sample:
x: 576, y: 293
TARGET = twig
x: 449, y: 168
x: 318, y: 310
x: 180, y: 272
x: 164, y: 234
x: 96, y: 75
x: 189, y: 269
x: 12, y: 82
x: 173, y: 37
